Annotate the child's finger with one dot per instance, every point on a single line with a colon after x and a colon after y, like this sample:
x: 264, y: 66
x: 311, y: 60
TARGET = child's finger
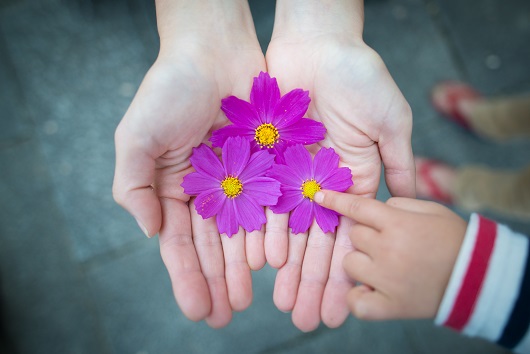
x: 363, y: 239
x: 368, y: 304
x: 358, y: 266
x: 367, y: 211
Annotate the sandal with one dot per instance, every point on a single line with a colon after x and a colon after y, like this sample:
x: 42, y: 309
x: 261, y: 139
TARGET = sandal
x: 431, y: 188
x: 446, y: 97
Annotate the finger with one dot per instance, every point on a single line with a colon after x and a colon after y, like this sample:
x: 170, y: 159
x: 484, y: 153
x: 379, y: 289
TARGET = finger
x: 358, y: 266
x: 364, y: 238
x: 208, y: 245
x: 288, y: 276
x: 396, y: 152
x: 237, y: 271
x: 334, y: 309
x: 179, y: 256
x: 315, y: 273
x: 133, y: 177
x: 255, y: 249
x: 417, y: 205
x: 369, y: 304
x: 367, y: 211
x: 276, y: 238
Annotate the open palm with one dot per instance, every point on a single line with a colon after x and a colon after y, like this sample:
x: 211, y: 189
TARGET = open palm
x: 176, y: 108
x: 368, y: 123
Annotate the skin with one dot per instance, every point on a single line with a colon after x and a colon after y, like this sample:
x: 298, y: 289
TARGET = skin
x: 176, y: 108
x: 403, y: 253
x: 318, y: 45
x: 209, y: 51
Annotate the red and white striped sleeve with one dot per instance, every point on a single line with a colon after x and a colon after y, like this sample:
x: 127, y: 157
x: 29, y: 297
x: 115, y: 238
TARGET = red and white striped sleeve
x: 488, y: 294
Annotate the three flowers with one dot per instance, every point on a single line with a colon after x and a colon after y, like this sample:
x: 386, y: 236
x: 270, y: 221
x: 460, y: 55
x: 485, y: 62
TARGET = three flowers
x: 264, y: 163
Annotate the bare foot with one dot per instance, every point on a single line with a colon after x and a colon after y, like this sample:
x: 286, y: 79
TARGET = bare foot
x: 456, y: 101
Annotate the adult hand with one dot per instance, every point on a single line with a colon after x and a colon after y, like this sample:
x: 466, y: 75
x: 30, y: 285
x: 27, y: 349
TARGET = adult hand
x: 404, y: 253
x: 317, y: 46
x: 209, y: 51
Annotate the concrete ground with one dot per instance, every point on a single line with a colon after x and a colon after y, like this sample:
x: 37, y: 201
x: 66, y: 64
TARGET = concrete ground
x: 76, y: 274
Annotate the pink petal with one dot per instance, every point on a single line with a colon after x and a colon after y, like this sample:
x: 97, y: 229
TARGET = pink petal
x: 286, y: 176
x: 305, y: 131
x: 236, y: 152
x: 249, y: 213
x: 226, y: 219
x: 195, y: 183
x: 264, y: 96
x: 289, y: 200
x: 260, y: 162
x: 325, y: 162
x: 219, y: 136
x: 264, y: 190
x: 302, y: 217
x: 205, y: 161
x: 209, y: 203
x: 291, y: 108
x: 240, y: 112
x: 339, y: 180
x: 327, y: 219
x: 299, y: 159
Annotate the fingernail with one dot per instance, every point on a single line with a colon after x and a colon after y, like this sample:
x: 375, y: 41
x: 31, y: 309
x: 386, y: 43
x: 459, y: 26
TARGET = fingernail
x: 318, y: 197
x: 144, y: 229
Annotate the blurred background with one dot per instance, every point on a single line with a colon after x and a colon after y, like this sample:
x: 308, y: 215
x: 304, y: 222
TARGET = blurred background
x: 78, y: 276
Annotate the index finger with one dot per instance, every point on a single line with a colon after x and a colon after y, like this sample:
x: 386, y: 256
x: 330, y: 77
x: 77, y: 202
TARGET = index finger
x: 366, y: 211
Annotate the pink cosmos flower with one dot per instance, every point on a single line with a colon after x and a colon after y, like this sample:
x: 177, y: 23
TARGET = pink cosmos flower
x: 236, y: 189
x: 271, y: 122
x: 301, y: 178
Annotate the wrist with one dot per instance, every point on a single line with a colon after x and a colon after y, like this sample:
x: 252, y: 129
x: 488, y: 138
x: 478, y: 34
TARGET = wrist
x: 305, y: 19
x: 208, y: 24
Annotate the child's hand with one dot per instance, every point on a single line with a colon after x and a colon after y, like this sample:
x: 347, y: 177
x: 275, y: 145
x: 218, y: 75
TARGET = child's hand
x: 404, y: 254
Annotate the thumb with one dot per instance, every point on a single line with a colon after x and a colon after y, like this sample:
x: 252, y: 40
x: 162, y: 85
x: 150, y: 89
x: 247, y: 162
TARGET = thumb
x: 133, y: 177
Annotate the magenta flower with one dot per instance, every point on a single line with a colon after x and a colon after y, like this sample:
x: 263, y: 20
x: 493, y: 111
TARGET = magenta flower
x: 236, y: 189
x: 301, y: 178
x: 269, y: 121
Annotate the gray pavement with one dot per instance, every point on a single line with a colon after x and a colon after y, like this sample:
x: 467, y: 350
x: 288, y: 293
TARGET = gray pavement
x: 77, y: 276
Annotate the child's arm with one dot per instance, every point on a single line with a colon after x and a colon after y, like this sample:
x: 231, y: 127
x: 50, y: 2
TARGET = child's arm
x: 417, y: 259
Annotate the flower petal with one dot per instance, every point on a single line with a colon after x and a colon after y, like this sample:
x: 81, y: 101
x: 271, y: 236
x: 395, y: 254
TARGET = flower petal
x: 291, y: 107
x: 327, y: 219
x: 240, y: 112
x: 289, y: 200
x: 236, y: 152
x: 219, y: 136
x: 226, y: 219
x: 195, y: 183
x: 302, y: 217
x: 205, y: 161
x: 305, y: 131
x: 264, y: 190
x: 209, y: 203
x: 258, y: 164
x: 249, y: 213
x: 339, y: 180
x: 325, y: 162
x: 286, y: 176
x: 264, y: 96
x: 299, y: 160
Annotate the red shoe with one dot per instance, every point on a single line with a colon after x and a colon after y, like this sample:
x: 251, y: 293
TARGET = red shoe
x: 447, y: 96
x: 434, y: 180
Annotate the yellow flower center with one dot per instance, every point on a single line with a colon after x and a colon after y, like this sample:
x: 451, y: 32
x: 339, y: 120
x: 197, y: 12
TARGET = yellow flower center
x: 309, y: 188
x: 232, y: 186
x: 266, y: 135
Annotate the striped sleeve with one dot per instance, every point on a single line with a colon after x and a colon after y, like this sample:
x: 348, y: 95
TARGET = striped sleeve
x: 488, y: 294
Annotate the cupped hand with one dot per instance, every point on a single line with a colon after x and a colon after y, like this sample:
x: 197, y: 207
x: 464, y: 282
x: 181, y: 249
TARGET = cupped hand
x: 175, y: 109
x: 368, y: 123
x: 404, y: 254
